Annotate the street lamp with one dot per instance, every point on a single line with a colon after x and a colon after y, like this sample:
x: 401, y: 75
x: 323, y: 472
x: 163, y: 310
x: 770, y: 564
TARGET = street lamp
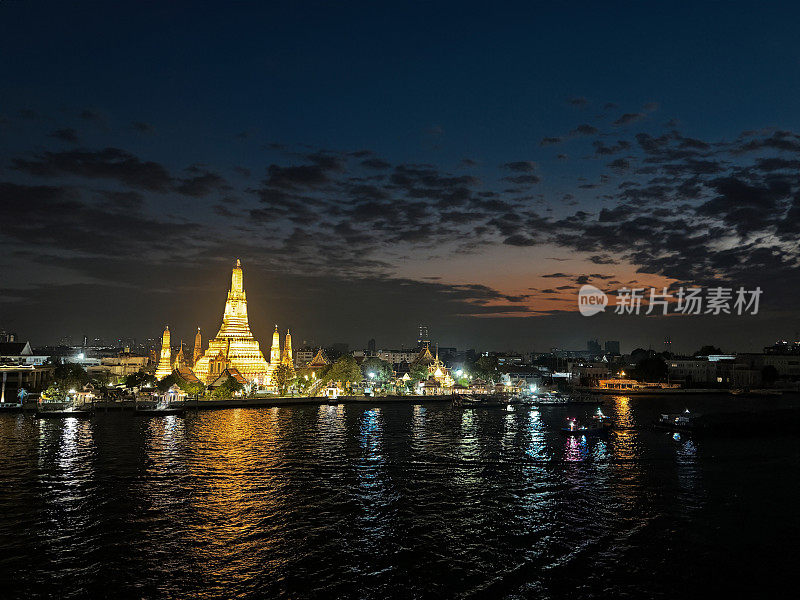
x: 372, y: 375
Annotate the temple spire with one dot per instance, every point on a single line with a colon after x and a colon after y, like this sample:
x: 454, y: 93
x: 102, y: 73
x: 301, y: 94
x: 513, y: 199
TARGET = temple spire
x: 198, y: 347
x: 275, y: 351
x: 165, y: 361
x: 287, y: 350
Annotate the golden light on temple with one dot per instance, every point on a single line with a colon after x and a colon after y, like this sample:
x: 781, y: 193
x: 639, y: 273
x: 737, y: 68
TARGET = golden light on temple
x: 198, y: 348
x: 234, y: 345
x: 165, y: 361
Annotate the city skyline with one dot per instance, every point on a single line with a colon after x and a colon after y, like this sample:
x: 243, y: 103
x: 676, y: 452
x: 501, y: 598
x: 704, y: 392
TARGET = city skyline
x: 429, y: 180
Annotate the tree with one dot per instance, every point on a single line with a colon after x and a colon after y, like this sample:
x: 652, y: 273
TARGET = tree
x: 652, y: 368
x: 139, y: 379
x: 486, y: 368
x: 383, y: 370
x: 226, y: 391
x: 418, y: 373
x: 706, y: 350
x: 167, y: 382
x: 283, y: 377
x: 102, y: 379
x: 769, y: 375
x: 191, y: 388
x: 344, y: 369
x: 70, y: 376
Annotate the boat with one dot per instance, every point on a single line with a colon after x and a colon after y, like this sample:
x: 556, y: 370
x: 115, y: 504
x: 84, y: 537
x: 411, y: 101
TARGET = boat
x: 599, y: 425
x: 159, y: 409
x: 60, y: 410
x: 483, y: 402
x: 675, y: 422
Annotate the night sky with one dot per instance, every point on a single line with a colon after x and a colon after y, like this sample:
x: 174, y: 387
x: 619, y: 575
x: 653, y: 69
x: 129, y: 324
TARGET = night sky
x: 376, y: 166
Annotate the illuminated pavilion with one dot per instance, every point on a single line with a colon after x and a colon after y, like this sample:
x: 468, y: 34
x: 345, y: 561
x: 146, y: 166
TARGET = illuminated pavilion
x: 234, y: 345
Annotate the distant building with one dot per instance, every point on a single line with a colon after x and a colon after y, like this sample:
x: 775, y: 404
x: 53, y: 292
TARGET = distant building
x: 20, y: 353
x: 783, y: 347
x: 303, y: 356
x: 371, y: 347
x: 593, y: 347
x: 424, y: 337
x: 612, y: 347
x: 395, y: 357
x: 588, y: 373
x: 124, y: 364
x: 506, y: 360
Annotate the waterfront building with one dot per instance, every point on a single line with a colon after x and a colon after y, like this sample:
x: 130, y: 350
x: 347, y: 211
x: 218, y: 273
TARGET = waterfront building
x: 20, y: 353
x: 165, y: 361
x: 234, y: 345
x: 436, y: 369
x: 13, y: 378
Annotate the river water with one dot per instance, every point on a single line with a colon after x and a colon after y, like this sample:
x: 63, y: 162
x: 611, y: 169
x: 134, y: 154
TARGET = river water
x: 406, y: 501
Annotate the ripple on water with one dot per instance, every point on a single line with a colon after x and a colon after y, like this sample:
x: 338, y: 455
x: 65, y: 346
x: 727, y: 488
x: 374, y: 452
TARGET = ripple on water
x: 349, y: 501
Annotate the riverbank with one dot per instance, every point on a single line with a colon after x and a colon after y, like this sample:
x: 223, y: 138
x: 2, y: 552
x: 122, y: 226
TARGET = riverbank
x: 255, y: 402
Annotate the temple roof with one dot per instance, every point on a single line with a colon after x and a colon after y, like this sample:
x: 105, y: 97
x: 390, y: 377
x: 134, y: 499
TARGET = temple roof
x: 15, y: 349
x: 424, y: 358
x: 227, y: 373
x: 320, y: 360
x: 187, y: 375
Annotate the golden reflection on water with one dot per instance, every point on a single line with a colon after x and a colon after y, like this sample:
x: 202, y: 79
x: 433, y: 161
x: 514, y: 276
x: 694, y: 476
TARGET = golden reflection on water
x: 236, y: 484
x: 625, y: 436
x: 331, y: 429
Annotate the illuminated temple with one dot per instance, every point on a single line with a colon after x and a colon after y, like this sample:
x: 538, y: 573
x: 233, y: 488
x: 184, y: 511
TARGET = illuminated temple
x: 234, y: 347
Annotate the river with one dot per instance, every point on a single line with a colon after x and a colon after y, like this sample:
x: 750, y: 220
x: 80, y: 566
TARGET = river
x: 399, y: 500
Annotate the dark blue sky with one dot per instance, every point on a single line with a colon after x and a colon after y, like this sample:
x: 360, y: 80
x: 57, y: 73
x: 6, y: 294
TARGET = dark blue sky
x: 448, y: 130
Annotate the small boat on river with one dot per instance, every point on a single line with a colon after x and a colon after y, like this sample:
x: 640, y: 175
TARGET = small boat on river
x: 675, y: 422
x: 599, y: 425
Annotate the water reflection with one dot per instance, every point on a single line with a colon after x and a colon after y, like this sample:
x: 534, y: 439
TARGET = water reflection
x: 349, y: 500
x: 418, y: 423
x: 576, y: 448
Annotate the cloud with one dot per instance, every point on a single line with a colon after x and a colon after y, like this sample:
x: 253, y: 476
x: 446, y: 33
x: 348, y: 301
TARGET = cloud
x: 549, y: 141
x: 65, y: 135
x: 110, y: 163
x: 584, y: 129
x: 521, y: 166
x: 143, y: 127
x: 628, y: 118
x: 202, y: 184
